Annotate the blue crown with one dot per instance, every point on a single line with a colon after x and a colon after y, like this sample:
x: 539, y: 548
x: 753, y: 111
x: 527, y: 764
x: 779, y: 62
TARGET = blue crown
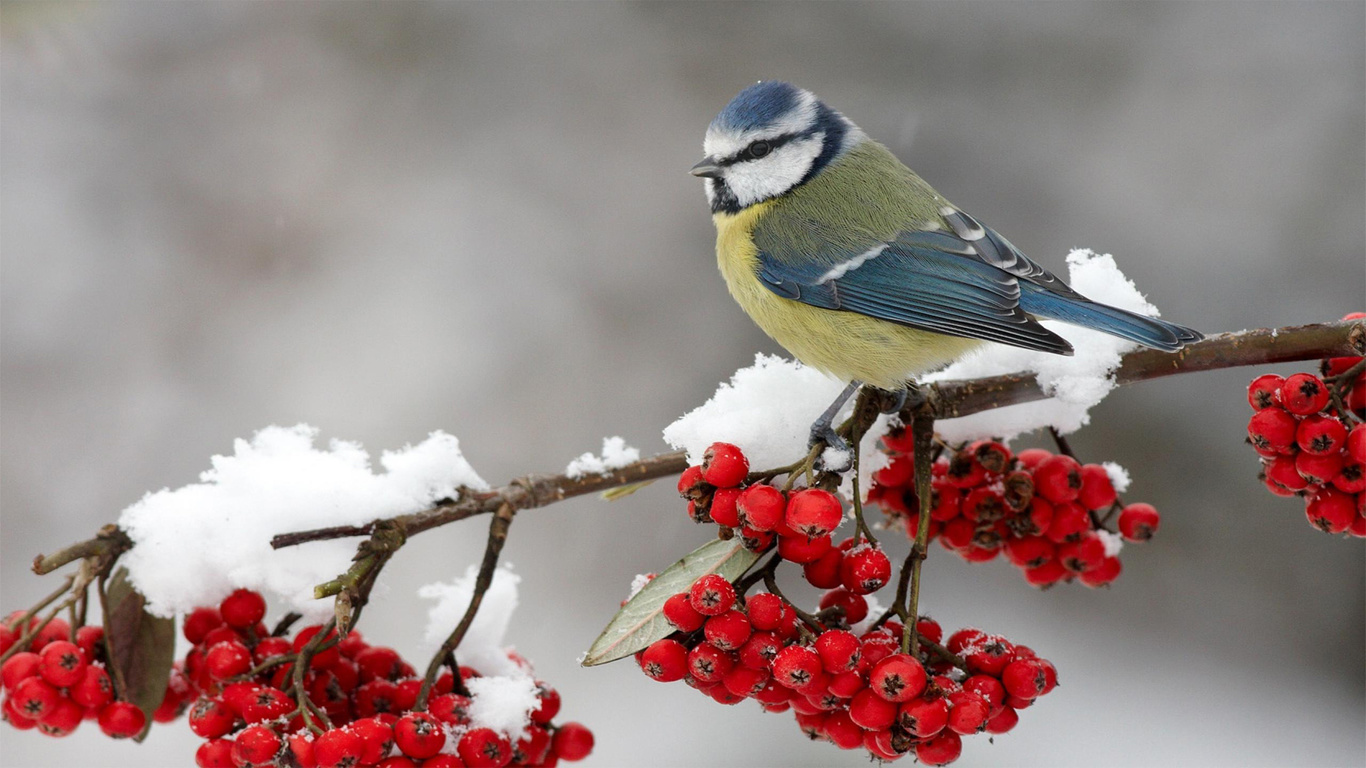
x: 758, y: 106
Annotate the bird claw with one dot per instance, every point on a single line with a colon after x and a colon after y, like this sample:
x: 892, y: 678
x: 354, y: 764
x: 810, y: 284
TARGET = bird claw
x: 824, y: 434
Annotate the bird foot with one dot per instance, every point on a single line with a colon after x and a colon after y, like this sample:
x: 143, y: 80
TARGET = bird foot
x: 836, y: 456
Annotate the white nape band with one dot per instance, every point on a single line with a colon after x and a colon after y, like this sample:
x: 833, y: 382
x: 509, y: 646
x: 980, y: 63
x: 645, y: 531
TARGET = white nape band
x: 840, y: 270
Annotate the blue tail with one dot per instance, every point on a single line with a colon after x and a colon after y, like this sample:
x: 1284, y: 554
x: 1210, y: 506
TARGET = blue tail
x: 1077, y: 310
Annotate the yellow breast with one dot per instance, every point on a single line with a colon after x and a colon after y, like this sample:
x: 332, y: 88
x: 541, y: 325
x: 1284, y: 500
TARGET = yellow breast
x: 846, y: 345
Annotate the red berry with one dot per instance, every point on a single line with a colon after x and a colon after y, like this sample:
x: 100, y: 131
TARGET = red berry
x: 376, y: 697
x: 1069, y: 522
x: 755, y: 540
x: 1138, y: 522
x: 797, y: 667
x: 865, y: 569
x: 266, y: 703
x: 572, y: 741
x: 1097, y: 492
x: 1319, y: 469
x: 766, y: 611
x: 484, y: 748
x: 708, y: 664
x: 1045, y: 575
x: 1058, y: 479
x: 679, y: 612
x: 665, y: 660
x: 813, y: 512
x: 450, y: 708
x: 301, y: 749
x: 761, y: 507
x: 989, y: 688
x: 941, y: 750
x: 1356, y: 443
x: 1082, y: 555
x: 1003, y: 721
x: 91, y: 640
x: 800, y: 549
x: 321, y: 659
x: 1272, y: 429
x: 200, y: 622
x: 34, y: 697
x: 728, y: 631
x: 1320, y: 434
x: 210, y: 718
x: 94, y: 689
x: 379, y: 662
x: 872, y: 712
x: 1029, y: 552
x: 1283, y: 472
x: 337, y: 748
x: 742, y: 681
x: 419, y: 735
x: 841, y: 729
x: 256, y: 745
x: 724, y: 465
x: 242, y: 609
x: 724, y: 509
x: 19, y: 667
x: 227, y: 659
x: 855, y: 607
x: 214, y: 754
x: 712, y: 595
x: 63, y: 719
x: 839, y: 651
x: 924, y: 718
x: 1303, y: 394
x: 63, y: 663
x: 690, y: 483
x: 1331, y: 511
x: 983, y: 504
x: 1104, y: 574
x: 824, y: 571
x: 121, y: 720
x: 1024, y: 678
x: 1351, y: 478
x: 1264, y: 391
x: 898, y: 678
x: 989, y: 655
x: 968, y: 712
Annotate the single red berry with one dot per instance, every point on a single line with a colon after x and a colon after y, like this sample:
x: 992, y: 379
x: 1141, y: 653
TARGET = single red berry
x: 742, y: 681
x: 1356, y: 443
x: 62, y: 720
x: 756, y: 540
x: 665, y: 660
x: 813, y: 512
x: 301, y: 749
x: 690, y: 483
x: 378, y: 662
x: 839, y: 650
x: 989, y: 687
x: 1029, y: 552
x: 1351, y: 478
x: 94, y: 689
x: 63, y: 663
x: 897, y: 473
x: 91, y: 640
x: 712, y: 595
x: 1331, y: 511
x: 200, y: 622
x: 679, y: 612
x: 210, y: 718
x: 1282, y: 471
x: 989, y: 655
x: 872, y: 712
x: 855, y: 607
x: 1272, y: 429
x: 724, y: 465
x: 1321, y: 434
x: 983, y: 504
x: 321, y: 659
x: 1058, y: 479
x: 963, y: 471
x: 1084, y: 554
x: 227, y: 659
x: 34, y: 697
x: 19, y: 667
x: 708, y: 663
x: 17, y: 719
x: 337, y: 748
x: 1138, y: 522
x: 242, y: 609
x: 419, y: 735
x: 766, y: 611
x: 1024, y: 678
x: 376, y: 697
x: 841, y: 729
x: 761, y: 507
x: 968, y: 712
x: 1264, y: 391
x: 57, y: 629
x: 1319, y: 468
x: 940, y: 750
x: 724, y: 509
x: 797, y: 667
x: 451, y: 708
x: 1003, y: 721
x: 759, y: 650
x: 1102, y: 575
x: 865, y: 569
x: 727, y: 631
x: 256, y: 745
x: 800, y: 549
x: 824, y: 571
x: 484, y: 748
x: 121, y: 720
x: 898, y: 678
x: 214, y: 754
x: 1097, y: 491
x: 572, y: 741
x: 1303, y: 394
x: 1069, y: 522
x: 924, y: 717
x: 266, y: 703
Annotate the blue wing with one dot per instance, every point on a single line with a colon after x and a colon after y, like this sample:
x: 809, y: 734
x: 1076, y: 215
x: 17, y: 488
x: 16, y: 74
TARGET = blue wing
x: 970, y: 282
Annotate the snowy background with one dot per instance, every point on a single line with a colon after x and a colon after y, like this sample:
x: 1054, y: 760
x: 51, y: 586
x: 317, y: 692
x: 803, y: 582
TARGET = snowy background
x: 386, y: 220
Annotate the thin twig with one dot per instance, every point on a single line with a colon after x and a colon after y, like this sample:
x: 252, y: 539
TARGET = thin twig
x: 922, y: 429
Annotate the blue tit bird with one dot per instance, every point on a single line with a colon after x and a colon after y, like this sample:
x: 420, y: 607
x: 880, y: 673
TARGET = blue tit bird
x: 859, y: 268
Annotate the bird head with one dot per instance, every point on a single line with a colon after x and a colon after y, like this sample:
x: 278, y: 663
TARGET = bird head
x: 771, y: 138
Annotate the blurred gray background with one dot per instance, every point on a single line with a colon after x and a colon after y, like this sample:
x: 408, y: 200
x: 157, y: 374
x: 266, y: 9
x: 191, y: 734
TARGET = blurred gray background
x: 388, y: 219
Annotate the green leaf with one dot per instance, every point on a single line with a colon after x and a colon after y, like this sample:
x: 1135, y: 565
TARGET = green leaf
x: 141, y: 646
x: 641, y: 621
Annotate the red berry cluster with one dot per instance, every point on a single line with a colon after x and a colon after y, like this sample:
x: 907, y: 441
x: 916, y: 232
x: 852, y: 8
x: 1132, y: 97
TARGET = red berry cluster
x: 61, y: 680
x: 800, y: 521
x: 1045, y: 512
x: 1310, y: 434
x: 856, y: 691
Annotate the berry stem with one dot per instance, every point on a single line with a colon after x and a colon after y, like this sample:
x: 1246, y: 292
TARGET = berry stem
x: 498, y: 534
x: 315, y: 645
x: 28, y: 634
x: 111, y: 541
x: 922, y: 430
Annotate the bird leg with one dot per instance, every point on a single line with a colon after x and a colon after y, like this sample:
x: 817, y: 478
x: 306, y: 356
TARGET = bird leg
x: 823, y: 431
x: 894, y: 400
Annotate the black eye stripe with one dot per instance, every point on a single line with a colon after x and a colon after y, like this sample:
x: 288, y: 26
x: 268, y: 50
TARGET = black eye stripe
x: 773, y: 145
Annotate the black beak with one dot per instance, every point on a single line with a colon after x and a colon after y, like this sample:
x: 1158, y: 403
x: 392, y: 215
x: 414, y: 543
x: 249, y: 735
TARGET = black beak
x: 707, y: 169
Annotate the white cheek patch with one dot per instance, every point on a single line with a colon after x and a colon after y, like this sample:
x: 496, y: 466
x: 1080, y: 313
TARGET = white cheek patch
x: 755, y: 180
